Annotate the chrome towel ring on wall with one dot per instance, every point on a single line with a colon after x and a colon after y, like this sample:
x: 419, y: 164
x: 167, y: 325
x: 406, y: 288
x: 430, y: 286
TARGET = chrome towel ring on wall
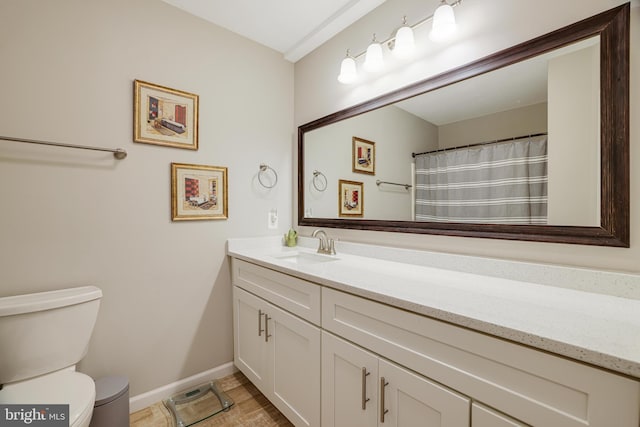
x: 263, y: 170
x: 319, y: 181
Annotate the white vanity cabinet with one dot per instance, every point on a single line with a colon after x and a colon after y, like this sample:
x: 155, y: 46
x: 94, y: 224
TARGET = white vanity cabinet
x: 537, y: 388
x: 278, y: 351
x: 361, y: 389
x: 330, y: 358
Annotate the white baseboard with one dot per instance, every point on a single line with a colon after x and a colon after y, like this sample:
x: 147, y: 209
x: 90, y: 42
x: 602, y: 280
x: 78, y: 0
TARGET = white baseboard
x: 156, y: 395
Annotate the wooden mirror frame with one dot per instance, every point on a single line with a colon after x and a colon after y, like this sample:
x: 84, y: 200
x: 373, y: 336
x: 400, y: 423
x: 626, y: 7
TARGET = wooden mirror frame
x: 613, y: 28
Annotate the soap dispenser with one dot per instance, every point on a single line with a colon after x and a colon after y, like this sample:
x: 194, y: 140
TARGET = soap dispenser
x: 291, y: 238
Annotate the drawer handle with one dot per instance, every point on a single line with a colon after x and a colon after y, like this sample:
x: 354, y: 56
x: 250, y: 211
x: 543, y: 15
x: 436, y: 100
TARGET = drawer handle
x: 365, y: 399
x: 383, y: 411
x: 260, y: 330
x: 266, y: 327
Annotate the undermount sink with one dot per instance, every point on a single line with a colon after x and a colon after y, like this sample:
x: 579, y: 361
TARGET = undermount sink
x: 305, y: 258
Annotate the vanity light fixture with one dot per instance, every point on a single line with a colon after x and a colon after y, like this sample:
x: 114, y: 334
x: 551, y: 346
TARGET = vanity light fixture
x: 373, y: 60
x: 401, y: 44
x: 348, y: 73
x: 404, y: 43
x: 444, y: 22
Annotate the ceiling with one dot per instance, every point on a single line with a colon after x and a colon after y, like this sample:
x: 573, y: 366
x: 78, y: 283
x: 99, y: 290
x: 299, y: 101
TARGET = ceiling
x: 292, y: 27
x: 297, y: 27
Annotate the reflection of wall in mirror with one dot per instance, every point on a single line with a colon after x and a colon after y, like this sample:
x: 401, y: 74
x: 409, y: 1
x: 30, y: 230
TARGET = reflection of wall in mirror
x: 574, y: 138
x: 527, y: 120
x: 396, y: 133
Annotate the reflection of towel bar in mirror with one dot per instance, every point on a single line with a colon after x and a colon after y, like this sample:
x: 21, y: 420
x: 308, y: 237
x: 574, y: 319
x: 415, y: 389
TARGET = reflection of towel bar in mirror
x: 406, y: 186
x: 319, y: 177
x: 264, y: 168
x: 118, y: 153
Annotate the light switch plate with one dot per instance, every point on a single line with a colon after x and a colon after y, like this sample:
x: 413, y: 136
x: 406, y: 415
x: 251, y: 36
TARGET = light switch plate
x: 272, y: 220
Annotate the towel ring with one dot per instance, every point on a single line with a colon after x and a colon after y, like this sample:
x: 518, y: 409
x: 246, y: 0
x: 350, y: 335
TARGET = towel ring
x: 319, y: 177
x: 263, y: 169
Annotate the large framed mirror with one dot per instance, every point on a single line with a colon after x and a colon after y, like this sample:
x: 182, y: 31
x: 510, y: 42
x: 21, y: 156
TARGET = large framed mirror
x: 557, y: 104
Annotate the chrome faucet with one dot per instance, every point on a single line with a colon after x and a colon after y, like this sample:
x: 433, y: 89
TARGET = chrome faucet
x: 325, y: 244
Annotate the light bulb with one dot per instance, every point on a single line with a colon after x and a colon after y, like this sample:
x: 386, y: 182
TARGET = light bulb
x: 348, y: 73
x: 404, y: 43
x: 444, y: 22
x: 373, y: 60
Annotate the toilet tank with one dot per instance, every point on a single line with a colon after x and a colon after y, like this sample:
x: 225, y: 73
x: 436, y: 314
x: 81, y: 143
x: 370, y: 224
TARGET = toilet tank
x: 46, y: 331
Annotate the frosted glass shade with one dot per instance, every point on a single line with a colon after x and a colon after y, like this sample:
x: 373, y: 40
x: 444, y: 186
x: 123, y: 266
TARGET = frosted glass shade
x: 348, y: 73
x: 373, y: 60
x: 444, y: 23
x: 404, y: 43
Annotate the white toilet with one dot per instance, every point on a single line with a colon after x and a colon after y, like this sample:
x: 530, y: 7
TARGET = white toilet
x: 42, y: 337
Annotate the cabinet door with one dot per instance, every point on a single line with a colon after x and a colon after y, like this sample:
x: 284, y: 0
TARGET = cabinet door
x: 294, y: 367
x: 250, y: 349
x: 408, y: 400
x: 349, y: 378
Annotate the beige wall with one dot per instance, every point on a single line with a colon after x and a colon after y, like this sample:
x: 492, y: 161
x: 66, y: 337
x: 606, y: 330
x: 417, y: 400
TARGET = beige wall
x: 396, y: 134
x: 72, y: 218
x: 527, y: 120
x: 484, y: 27
x: 574, y: 138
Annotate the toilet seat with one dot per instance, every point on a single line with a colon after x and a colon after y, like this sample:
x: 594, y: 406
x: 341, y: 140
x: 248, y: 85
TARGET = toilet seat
x: 61, y: 387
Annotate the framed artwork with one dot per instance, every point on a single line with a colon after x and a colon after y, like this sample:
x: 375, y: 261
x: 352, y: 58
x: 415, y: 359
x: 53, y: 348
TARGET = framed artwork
x: 198, y: 192
x: 164, y: 116
x: 363, y: 156
x: 350, y: 198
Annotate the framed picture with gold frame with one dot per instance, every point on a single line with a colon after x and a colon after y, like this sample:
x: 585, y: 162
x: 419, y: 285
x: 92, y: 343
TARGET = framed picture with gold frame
x: 350, y: 198
x: 363, y: 156
x: 198, y: 192
x: 164, y: 116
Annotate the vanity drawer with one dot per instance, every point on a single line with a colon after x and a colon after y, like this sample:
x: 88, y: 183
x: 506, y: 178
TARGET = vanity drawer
x: 481, y: 416
x: 297, y: 296
x: 538, y: 388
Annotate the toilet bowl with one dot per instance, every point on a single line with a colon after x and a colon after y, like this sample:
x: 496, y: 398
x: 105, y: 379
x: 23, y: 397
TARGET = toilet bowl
x: 42, y: 337
x: 62, y: 387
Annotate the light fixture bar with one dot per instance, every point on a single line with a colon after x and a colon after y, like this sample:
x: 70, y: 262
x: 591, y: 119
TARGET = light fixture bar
x: 417, y: 24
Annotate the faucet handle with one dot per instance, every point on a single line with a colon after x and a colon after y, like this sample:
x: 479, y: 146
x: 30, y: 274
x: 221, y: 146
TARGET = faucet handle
x: 332, y: 247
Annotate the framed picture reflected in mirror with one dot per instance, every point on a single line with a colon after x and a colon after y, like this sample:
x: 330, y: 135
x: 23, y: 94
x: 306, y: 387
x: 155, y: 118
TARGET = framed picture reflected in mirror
x: 364, y: 156
x: 350, y: 198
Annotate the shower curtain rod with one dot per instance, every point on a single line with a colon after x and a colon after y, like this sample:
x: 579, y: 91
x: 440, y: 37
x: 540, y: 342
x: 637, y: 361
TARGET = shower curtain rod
x: 118, y: 153
x: 513, y: 138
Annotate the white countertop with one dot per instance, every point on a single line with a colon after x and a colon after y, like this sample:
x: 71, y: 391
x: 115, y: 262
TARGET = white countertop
x: 599, y: 329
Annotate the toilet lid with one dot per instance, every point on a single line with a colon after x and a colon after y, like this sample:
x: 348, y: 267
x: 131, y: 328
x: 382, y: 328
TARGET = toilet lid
x: 62, y: 387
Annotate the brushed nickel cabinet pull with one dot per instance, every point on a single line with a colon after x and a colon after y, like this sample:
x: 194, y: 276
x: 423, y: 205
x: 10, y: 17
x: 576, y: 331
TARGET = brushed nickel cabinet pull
x: 260, y: 330
x: 383, y: 411
x: 365, y: 399
x: 266, y: 327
